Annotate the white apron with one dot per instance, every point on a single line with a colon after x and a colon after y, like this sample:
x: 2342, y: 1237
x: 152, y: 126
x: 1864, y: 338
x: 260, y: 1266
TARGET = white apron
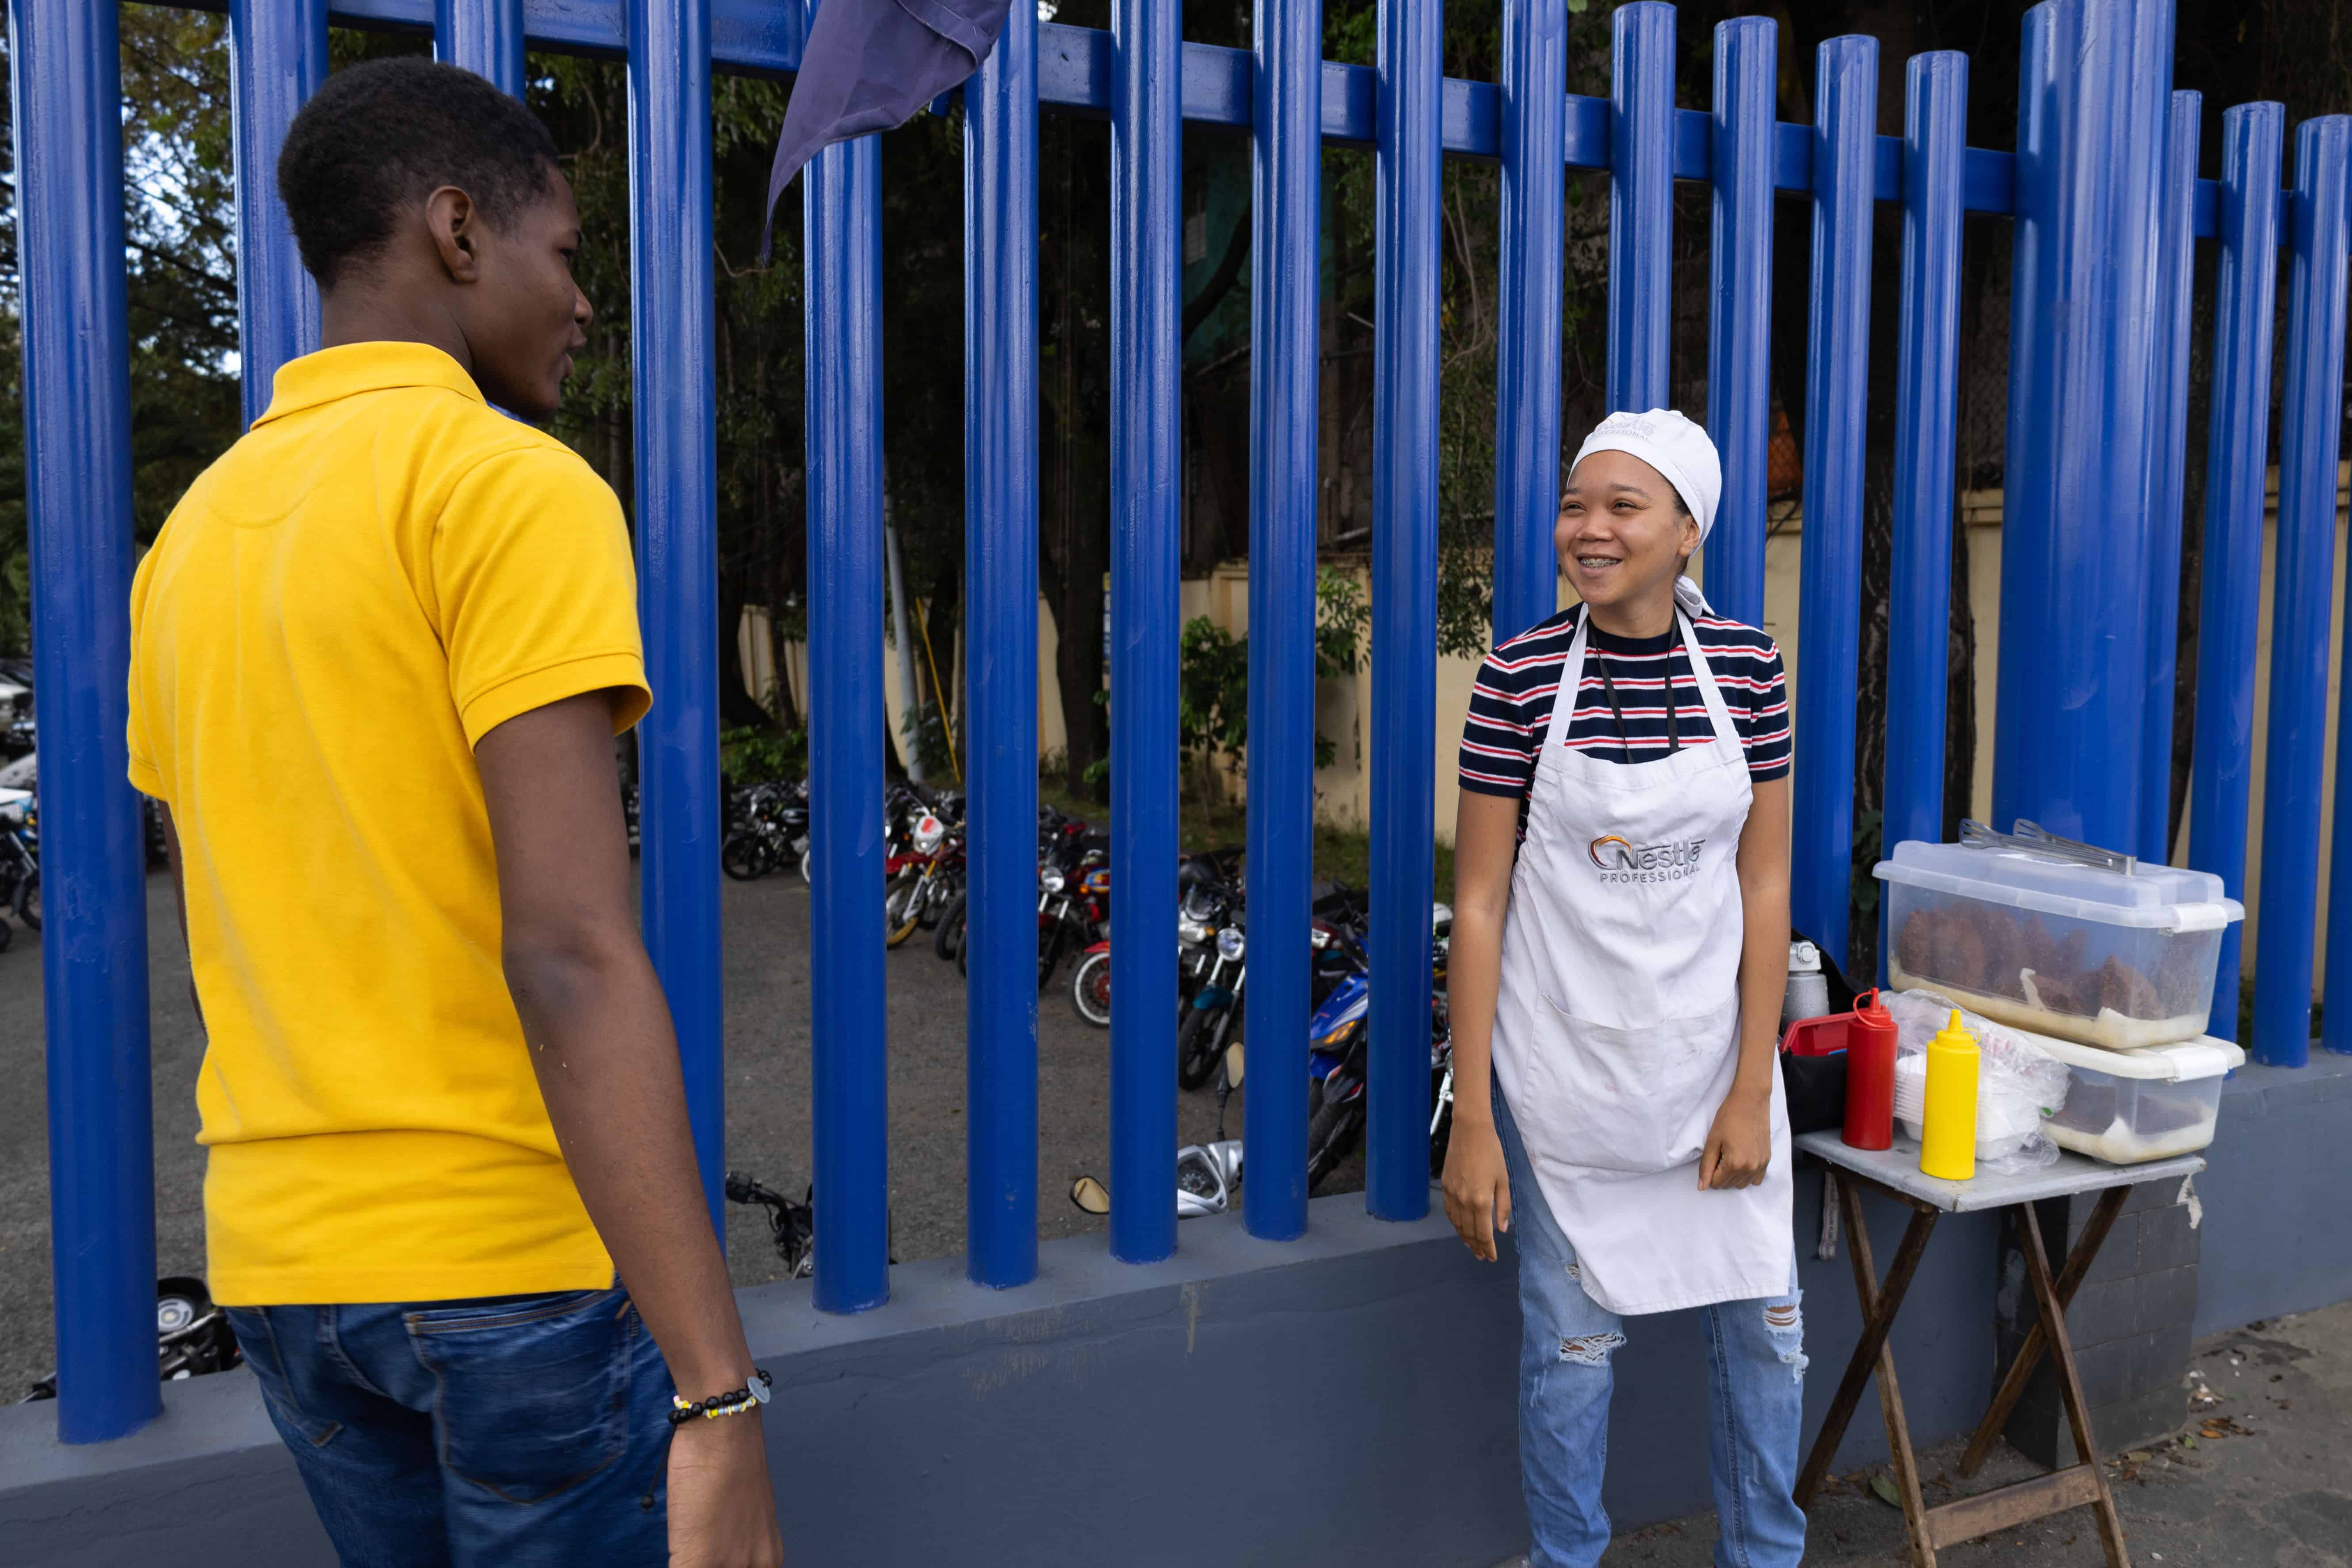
x: 1617, y: 1025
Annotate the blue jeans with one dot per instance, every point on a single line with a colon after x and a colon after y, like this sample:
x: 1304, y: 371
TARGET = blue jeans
x: 1756, y: 1391
x: 509, y: 1430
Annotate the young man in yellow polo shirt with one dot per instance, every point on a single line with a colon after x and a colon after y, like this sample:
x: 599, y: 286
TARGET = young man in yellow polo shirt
x: 379, y: 655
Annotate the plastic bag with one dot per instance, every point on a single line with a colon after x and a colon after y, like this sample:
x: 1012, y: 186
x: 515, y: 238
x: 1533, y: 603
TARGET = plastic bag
x: 2018, y: 1083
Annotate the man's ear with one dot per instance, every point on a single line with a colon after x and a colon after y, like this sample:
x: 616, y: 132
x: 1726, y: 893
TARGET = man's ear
x: 455, y: 224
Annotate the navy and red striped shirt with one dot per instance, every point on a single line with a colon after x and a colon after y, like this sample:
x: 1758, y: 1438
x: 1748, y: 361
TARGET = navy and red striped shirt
x: 1511, y: 706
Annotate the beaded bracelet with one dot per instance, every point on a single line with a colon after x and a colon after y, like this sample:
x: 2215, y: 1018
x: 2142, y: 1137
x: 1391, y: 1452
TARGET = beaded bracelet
x: 735, y: 1402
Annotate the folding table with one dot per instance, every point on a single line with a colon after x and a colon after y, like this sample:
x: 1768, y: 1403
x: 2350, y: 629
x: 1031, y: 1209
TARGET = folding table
x: 1895, y: 1173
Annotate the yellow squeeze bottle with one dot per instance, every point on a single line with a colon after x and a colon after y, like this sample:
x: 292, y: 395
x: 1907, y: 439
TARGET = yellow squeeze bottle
x: 1948, y: 1140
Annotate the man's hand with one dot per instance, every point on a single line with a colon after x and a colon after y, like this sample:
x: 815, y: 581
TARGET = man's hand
x: 721, y: 1509
x: 1477, y: 1186
x: 1739, y: 1144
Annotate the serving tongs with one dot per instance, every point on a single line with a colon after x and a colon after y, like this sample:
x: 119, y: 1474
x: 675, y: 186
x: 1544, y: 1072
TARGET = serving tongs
x: 2032, y: 838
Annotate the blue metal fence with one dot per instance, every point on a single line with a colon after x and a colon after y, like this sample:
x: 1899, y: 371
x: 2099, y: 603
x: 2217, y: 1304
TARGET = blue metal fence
x: 2107, y: 211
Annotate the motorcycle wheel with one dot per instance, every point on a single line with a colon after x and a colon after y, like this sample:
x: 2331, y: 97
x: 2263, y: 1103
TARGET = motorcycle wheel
x: 29, y: 901
x: 1090, y: 989
x: 1051, y: 958
x: 7, y: 935
x: 741, y: 859
x: 950, y: 939
x: 901, y: 907
x: 1332, y: 1134
x: 808, y: 863
x: 1439, y: 1137
x: 1196, y: 1049
x: 943, y: 890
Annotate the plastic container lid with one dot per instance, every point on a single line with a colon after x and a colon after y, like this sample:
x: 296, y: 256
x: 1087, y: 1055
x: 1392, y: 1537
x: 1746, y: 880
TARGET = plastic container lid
x: 2204, y: 1056
x: 2150, y: 898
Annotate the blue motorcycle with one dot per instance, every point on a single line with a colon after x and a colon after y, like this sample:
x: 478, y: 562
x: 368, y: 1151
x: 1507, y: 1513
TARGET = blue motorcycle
x: 1336, y: 1061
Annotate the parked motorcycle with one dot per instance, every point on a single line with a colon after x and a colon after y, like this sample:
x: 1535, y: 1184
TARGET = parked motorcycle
x: 792, y: 1225
x: 925, y: 880
x: 192, y: 1336
x: 1208, y: 1175
x: 20, y: 856
x: 769, y: 827
x: 1337, y: 1064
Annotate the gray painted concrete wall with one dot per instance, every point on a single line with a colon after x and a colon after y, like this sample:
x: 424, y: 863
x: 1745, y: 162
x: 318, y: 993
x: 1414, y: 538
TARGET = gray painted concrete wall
x: 2274, y: 1233
x: 1348, y: 1399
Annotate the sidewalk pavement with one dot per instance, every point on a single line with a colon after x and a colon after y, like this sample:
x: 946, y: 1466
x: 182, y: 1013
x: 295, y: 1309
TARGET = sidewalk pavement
x: 2259, y: 1476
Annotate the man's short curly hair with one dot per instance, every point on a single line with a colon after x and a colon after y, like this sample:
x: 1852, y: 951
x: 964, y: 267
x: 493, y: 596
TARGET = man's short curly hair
x: 383, y: 134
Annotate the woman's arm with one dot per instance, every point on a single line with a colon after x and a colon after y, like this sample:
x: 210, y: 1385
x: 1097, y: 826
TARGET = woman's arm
x: 1477, y: 1186
x: 1739, y: 1144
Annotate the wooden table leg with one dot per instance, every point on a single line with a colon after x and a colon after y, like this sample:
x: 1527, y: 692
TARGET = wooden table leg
x: 2070, y: 1386
x: 1880, y: 1302
x: 1904, y: 1462
x: 2028, y: 1356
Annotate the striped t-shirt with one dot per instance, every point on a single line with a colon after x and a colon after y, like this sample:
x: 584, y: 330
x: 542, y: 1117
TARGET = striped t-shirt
x: 1511, y: 706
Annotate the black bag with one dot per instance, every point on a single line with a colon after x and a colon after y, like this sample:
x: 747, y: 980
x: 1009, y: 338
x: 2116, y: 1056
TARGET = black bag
x: 1816, y: 1086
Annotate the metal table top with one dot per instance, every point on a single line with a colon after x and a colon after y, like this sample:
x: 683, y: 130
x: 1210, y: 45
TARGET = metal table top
x: 1899, y: 1168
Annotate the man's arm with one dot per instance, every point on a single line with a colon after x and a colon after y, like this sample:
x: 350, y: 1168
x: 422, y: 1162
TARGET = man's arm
x: 601, y: 1042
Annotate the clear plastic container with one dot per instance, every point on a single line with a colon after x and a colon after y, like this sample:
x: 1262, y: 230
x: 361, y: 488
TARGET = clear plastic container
x: 2041, y: 941
x: 2126, y: 1107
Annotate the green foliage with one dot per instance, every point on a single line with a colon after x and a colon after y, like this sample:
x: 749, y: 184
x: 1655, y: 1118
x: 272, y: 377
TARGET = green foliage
x: 926, y: 735
x: 1212, y: 692
x: 752, y: 753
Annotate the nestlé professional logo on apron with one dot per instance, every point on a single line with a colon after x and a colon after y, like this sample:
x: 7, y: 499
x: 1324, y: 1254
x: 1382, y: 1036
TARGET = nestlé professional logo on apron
x: 1619, y: 860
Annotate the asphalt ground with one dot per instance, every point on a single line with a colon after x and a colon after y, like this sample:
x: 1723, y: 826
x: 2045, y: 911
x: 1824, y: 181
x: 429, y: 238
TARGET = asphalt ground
x: 766, y: 979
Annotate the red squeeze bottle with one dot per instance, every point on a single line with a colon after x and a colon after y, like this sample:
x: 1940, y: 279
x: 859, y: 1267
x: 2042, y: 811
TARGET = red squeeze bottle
x: 1870, y: 1074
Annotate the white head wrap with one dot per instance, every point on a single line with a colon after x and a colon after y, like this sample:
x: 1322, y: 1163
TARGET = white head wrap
x: 1682, y: 453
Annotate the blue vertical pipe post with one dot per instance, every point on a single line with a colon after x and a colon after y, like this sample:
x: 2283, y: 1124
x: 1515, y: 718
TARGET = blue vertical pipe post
x: 2319, y: 234
x: 1404, y: 604
x: 66, y: 91
x: 841, y: 194
x: 1147, y: 313
x: 1287, y: 201
x: 484, y: 36
x: 2327, y: 150
x: 1641, y: 205
x: 1739, y: 308
x: 675, y: 403
x: 1927, y: 402
x: 2167, y: 452
x: 1000, y: 216
x: 1527, y: 350
x: 2095, y: 95
x: 1837, y: 375
x: 2237, y: 456
x: 277, y: 58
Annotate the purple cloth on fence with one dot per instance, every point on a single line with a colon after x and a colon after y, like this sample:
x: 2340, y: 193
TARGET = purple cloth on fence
x: 869, y: 64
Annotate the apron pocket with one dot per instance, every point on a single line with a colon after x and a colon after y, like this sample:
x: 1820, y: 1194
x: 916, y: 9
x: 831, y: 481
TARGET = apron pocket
x: 1638, y: 1100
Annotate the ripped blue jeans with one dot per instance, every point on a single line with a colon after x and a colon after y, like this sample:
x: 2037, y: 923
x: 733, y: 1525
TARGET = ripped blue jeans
x: 1756, y: 1372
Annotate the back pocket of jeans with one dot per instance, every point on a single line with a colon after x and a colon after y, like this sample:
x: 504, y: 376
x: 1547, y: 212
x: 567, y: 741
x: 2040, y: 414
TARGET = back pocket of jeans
x: 531, y: 1391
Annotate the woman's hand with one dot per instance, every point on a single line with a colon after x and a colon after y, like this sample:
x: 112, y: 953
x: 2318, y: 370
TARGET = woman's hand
x: 1739, y: 1146
x: 1477, y: 1186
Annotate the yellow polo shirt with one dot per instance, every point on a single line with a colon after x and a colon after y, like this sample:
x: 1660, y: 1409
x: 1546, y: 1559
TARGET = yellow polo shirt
x: 380, y: 573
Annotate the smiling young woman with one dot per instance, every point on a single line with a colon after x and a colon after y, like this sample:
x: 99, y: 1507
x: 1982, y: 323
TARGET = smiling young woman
x: 1619, y: 943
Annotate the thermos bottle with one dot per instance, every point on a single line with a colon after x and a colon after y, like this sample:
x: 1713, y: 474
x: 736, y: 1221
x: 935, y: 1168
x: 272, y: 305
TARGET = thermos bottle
x: 1807, y: 995
x: 1947, y: 1142
x: 1870, y: 1074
